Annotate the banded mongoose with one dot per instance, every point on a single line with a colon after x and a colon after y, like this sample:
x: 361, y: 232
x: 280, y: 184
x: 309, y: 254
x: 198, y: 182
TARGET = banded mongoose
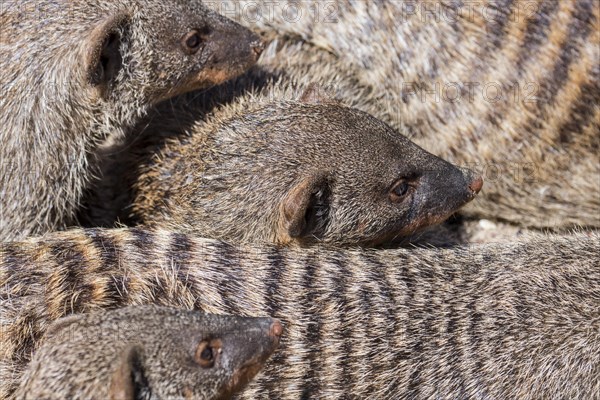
x: 149, y: 352
x: 510, y: 88
x: 517, y: 320
x: 74, y: 72
x: 301, y: 171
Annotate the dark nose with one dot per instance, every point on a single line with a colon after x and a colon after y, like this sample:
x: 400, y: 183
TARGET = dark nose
x: 476, y: 185
x: 257, y: 47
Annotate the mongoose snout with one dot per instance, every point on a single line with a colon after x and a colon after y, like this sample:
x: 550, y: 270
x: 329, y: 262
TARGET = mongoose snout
x: 276, y: 330
x: 229, y: 50
x: 149, y: 352
x: 476, y: 185
x: 264, y: 335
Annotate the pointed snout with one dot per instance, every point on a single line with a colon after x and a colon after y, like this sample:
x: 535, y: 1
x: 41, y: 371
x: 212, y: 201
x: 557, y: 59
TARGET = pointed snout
x: 230, y: 50
x: 263, y: 333
x: 474, y: 183
x: 236, y: 43
x: 276, y: 330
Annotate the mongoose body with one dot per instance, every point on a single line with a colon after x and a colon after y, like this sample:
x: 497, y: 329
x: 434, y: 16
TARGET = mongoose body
x: 74, y: 72
x: 149, y: 352
x: 511, y: 88
x: 300, y: 171
x: 517, y: 320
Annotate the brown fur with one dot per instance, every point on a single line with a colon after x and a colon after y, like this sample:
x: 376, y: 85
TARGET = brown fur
x: 148, y: 352
x: 517, y: 320
x: 287, y: 171
x: 537, y: 146
x: 74, y: 72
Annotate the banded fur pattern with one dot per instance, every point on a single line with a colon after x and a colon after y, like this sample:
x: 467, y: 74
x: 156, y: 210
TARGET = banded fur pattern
x: 526, y: 75
x: 488, y: 321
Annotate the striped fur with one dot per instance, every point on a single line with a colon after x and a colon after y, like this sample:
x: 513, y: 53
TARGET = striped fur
x: 537, y: 146
x: 499, y: 321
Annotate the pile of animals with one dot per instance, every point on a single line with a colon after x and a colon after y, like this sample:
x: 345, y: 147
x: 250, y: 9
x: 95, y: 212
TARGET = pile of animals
x: 191, y: 193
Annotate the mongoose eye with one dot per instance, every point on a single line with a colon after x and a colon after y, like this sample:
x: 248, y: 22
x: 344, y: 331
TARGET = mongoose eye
x: 191, y: 41
x: 207, y: 352
x: 399, y: 191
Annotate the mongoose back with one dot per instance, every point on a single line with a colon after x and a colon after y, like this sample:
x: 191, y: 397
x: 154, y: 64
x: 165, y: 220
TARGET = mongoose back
x: 149, y: 352
x: 74, y: 72
x: 513, y: 320
x: 511, y: 88
x: 298, y: 171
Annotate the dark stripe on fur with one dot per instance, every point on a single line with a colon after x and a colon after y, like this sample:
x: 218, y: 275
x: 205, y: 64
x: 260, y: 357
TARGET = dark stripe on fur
x: 312, y: 321
x: 412, y: 332
x: 71, y: 260
x: 229, y: 288
x: 341, y: 297
x: 496, y: 27
x: 277, y: 270
x: 536, y: 31
x: 457, y: 351
x: 390, y: 306
x: 582, y: 111
x: 11, y: 257
x: 28, y: 323
x: 179, y: 253
x: 143, y: 239
x: 116, y: 290
x: 579, y: 29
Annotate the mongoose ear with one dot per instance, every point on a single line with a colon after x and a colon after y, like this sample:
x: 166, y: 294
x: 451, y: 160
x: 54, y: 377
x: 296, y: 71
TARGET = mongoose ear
x: 128, y: 380
x: 316, y: 94
x: 103, y: 51
x: 305, y: 209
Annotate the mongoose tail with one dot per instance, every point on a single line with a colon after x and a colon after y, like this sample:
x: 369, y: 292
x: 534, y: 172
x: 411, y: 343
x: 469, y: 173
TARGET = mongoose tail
x: 144, y: 351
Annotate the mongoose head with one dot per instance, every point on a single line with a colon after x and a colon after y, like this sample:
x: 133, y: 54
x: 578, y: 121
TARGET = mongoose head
x: 301, y: 172
x: 151, y: 51
x: 148, y: 351
x: 112, y: 58
x: 74, y: 73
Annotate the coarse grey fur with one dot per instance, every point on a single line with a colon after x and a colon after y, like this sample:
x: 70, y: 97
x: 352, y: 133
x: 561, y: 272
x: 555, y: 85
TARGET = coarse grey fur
x: 288, y: 171
x: 508, y: 88
x: 148, y: 352
x: 511, y: 320
x: 74, y: 72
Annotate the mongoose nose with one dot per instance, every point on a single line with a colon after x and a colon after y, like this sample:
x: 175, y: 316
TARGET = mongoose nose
x: 276, y: 329
x: 476, y: 185
x: 258, y: 47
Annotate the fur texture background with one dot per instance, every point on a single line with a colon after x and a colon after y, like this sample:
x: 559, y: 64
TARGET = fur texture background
x: 511, y: 88
x: 517, y: 320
